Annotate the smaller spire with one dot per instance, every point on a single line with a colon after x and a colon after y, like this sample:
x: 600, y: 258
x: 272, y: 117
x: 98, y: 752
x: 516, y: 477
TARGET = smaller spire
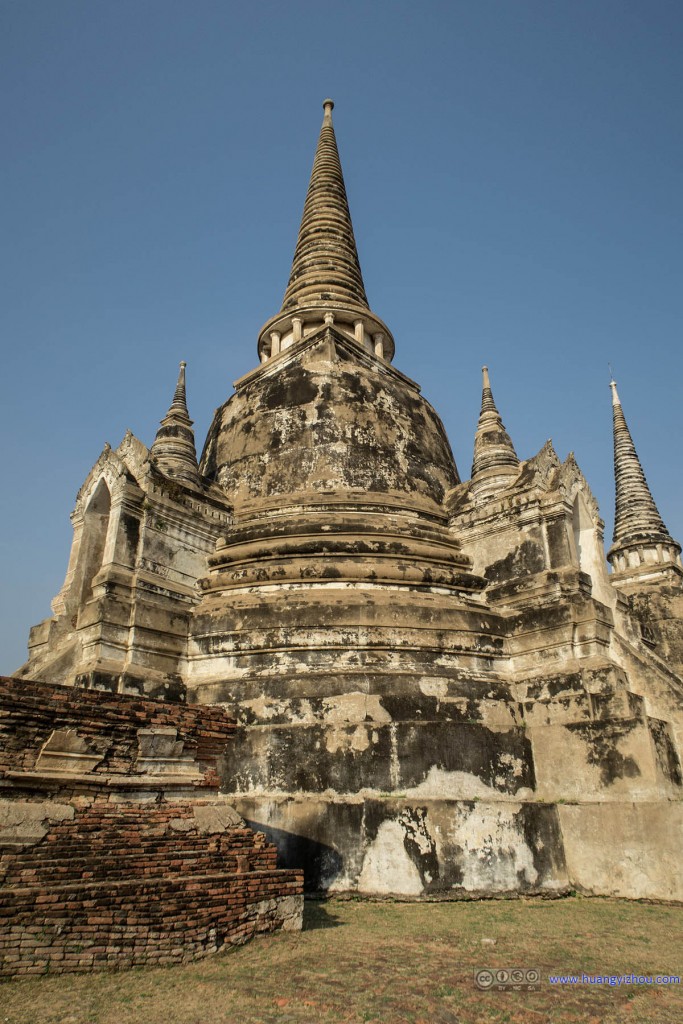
x: 495, y: 461
x: 640, y: 536
x: 174, y: 449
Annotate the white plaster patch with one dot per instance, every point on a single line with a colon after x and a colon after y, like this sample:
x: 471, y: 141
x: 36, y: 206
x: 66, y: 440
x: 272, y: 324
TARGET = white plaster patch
x: 266, y: 709
x: 515, y: 763
x: 494, y: 851
x: 357, y: 739
x: 288, y: 910
x: 182, y: 825
x: 454, y: 786
x: 263, y: 708
x: 394, y: 763
x: 355, y: 707
x: 387, y: 868
x: 630, y: 849
x: 433, y: 687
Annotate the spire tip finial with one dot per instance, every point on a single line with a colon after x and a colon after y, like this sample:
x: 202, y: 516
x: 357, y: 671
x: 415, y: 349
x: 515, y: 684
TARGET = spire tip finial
x: 328, y: 106
x: 495, y: 459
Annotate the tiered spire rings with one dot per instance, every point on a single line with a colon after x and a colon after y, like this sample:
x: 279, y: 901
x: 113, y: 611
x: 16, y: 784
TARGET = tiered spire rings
x: 640, y: 536
x: 495, y: 462
x: 174, y: 449
x: 325, y: 283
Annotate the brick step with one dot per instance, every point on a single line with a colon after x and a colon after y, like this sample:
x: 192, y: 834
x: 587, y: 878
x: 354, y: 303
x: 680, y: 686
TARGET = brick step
x: 89, y: 858
x: 126, y: 931
x: 77, y: 836
x: 72, y: 841
x: 115, y: 868
x: 113, y: 827
x: 169, y: 849
x: 166, y: 848
x: 36, y: 901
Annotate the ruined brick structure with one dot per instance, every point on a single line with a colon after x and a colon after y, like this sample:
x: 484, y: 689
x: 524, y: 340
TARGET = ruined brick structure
x: 116, y: 848
x: 439, y: 686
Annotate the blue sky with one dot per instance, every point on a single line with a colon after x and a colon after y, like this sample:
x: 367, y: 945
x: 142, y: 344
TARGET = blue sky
x: 514, y: 174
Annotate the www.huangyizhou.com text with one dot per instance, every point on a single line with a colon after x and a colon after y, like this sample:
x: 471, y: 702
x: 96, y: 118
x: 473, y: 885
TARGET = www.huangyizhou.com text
x: 614, y: 980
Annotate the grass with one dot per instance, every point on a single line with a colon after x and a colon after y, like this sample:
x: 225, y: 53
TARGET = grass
x: 393, y: 963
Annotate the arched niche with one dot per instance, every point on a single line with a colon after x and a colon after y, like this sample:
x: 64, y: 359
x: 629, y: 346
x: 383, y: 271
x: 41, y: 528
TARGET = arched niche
x: 94, y: 538
x: 589, y: 549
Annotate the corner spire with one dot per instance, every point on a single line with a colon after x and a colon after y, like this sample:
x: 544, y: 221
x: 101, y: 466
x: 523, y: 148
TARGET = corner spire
x: 495, y: 461
x: 640, y: 536
x: 174, y: 449
x: 325, y: 275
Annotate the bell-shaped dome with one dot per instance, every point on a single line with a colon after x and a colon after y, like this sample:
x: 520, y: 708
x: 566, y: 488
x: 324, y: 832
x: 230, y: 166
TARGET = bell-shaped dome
x: 325, y: 417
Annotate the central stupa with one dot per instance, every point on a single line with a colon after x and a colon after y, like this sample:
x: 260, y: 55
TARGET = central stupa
x: 340, y: 554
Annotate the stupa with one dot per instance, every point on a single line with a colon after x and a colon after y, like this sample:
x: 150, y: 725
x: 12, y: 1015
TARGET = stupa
x: 441, y: 689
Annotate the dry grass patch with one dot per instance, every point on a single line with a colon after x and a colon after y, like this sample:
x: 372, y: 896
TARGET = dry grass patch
x: 393, y: 963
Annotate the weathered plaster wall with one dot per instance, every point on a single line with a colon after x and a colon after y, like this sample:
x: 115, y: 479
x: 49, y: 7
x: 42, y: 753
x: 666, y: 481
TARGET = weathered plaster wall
x: 659, y: 612
x: 625, y: 849
x: 415, y: 847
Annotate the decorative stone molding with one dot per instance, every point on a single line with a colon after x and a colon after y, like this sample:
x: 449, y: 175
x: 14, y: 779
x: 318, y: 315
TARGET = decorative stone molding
x: 66, y: 751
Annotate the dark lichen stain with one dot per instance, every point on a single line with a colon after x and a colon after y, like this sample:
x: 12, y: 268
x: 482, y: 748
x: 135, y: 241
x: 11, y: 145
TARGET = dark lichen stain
x: 501, y: 760
x: 131, y: 528
x: 294, y: 759
x: 288, y: 390
x: 420, y: 846
x: 667, y: 756
x: 523, y: 561
x: 602, y: 742
x: 540, y: 826
x: 357, y: 426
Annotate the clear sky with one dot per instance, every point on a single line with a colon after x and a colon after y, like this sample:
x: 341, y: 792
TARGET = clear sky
x: 514, y: 171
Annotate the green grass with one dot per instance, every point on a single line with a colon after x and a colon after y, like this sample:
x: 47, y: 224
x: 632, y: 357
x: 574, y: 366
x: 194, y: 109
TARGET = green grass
x: 392, y: 963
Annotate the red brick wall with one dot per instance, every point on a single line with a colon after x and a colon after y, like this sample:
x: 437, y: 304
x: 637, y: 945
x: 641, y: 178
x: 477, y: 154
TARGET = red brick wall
x: 108, y: 721
x: 131, y: 879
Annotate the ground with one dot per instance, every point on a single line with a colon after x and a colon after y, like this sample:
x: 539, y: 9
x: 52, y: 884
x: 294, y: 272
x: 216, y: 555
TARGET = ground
x: 395, y: 963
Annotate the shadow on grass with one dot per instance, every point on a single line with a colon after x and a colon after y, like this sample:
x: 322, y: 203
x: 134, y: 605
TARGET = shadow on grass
x: 316, y: 915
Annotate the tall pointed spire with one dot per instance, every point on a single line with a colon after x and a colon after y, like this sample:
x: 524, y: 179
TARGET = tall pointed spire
x: 174, y: 450
x: 326, y: 267
x: 640, y: 536
x: 325, y: 278
x: 495, y: 461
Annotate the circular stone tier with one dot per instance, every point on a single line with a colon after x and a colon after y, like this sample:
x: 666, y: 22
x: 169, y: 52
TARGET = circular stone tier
x: 339, y: 557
